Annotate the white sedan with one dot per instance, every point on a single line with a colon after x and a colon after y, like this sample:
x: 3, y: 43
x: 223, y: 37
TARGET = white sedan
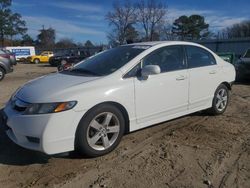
x: 89, y: 107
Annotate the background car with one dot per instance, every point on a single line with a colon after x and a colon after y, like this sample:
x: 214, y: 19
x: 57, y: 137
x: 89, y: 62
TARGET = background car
x: 242, y: 67
x: 21, y: 52
x: 42, y: 58
x: 228, y: 56
x: 68, y: 57
x: 7, y: 60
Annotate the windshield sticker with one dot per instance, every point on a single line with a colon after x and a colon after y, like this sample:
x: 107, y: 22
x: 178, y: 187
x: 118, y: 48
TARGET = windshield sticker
x: 144, y: 47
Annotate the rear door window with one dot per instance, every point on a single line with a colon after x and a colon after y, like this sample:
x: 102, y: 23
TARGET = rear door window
x: 199, y: 57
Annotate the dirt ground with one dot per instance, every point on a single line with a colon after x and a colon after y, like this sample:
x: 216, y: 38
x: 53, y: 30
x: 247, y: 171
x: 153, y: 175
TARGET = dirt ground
x: 193, y: 151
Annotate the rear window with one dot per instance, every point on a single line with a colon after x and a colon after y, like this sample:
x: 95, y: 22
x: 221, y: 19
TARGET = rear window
x: 199, y: 57
x: 2, y: 52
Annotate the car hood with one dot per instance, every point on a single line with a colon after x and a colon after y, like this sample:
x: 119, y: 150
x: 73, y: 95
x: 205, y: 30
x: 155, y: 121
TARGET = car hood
x: 50, y: 88
x: 245, y: 60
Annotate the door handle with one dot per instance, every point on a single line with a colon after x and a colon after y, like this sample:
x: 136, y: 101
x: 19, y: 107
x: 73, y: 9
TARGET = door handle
x: 213, y: 72
x: 181, y: 78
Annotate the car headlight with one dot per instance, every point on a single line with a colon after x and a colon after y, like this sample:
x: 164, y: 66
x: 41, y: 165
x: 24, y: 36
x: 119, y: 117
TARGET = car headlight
x: 45, y: 108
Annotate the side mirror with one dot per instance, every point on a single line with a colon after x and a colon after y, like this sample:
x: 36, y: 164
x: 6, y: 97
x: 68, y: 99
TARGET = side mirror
x: 150, y: 70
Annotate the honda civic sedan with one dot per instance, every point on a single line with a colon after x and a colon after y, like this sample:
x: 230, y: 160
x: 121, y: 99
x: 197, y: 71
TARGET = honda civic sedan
x: 90, y: 107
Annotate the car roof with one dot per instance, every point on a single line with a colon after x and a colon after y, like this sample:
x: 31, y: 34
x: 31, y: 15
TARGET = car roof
x: 154, y: 43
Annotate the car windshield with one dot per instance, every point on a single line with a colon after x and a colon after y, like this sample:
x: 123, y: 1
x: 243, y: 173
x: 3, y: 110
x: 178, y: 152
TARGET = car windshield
x: 108, y: 61
x: 247, y: 54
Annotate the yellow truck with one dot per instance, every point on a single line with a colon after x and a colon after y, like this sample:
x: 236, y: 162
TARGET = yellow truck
x: 42, y: 58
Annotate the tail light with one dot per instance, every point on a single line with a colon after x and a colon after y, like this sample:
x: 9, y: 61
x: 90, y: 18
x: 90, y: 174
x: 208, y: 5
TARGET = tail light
x: 5, y: 55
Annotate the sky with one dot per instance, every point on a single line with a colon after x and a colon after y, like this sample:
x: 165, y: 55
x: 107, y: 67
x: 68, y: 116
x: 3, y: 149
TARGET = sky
x: 83, y: 20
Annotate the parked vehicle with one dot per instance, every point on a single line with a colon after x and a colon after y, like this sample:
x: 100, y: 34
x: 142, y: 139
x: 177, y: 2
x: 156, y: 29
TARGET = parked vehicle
x: 6, y: 63
x: 90, y: 106
x: 21, y: 52
x: 242, y: 67
x: 42, y: 58
x: 12, y: 56
x: 228, y: 56
x: 68, y: 57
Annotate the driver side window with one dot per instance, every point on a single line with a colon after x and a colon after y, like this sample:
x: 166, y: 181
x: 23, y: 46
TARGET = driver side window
x: 168, y: 58
x: 44, y: 54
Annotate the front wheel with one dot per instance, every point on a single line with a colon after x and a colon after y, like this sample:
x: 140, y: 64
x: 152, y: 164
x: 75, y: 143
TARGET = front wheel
x: 36, y: 61
x: 220, y: 100
x: 100, y: 131
x: 2, y: 74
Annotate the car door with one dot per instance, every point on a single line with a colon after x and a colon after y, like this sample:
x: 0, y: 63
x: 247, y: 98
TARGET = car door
x: 203, y: 77
x: 44, y: 57
x: 164, y: 94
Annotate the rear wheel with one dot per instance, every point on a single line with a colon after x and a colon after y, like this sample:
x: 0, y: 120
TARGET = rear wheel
x: 36, y: 61
x: 220, y: 100
x: 100, y: 131
x: 2, y: 74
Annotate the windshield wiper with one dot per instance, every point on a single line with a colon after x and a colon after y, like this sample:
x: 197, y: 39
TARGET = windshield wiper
x: 84, y: 71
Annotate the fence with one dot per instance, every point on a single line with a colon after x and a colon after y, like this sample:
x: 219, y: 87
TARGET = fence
x: 237, y: 46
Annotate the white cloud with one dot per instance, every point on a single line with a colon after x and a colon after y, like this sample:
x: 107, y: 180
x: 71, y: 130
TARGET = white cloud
x: 78, y: 6
x: 90, y: 17
x: 18, y: 4
x: 63, y: 28
x: 220, y: 22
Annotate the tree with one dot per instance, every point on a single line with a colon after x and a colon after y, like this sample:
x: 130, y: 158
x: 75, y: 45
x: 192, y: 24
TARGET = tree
x: 46, y: 38
x: 131, y: 35
x: 181, y: 27
x: 239, y: 30
x: 11, y: 24
x: 27, y: 40
x: 16, y: 26
x: 192, y: 27
x: 65, y: 43
x: 151, y: 15
x: 121, y: 19
x: 88, y: 44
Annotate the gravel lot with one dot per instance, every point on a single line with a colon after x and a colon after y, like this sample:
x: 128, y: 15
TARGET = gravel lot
x: 192, y: 151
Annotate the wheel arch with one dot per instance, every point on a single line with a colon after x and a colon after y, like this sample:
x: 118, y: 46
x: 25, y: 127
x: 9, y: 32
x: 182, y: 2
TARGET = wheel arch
x: 227, y: 84
x: 116, y: 104
x: 2, y: 67
x: 120, y: 107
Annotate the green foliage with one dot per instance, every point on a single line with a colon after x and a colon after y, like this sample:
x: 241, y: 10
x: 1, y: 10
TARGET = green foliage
x: 65, y: 43
x: 192, y: 27
x: 46, y: 38
x: 11, y: 24
x: 27, y: 40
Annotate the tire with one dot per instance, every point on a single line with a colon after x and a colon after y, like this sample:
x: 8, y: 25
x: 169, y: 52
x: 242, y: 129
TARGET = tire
x: 220, y: 100
x: 63, y: 62
x: 60, y: 68
x: 36, y: 61
x: 2, y: 73
x: 100, y: 131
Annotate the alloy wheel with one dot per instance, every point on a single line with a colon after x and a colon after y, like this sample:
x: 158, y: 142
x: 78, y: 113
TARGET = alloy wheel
x: 103, y: 131
x: 221, y: 99
x: 1, y: 75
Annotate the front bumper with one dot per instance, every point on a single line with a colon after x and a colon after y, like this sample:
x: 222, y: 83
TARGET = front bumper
x: 48, y: 133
